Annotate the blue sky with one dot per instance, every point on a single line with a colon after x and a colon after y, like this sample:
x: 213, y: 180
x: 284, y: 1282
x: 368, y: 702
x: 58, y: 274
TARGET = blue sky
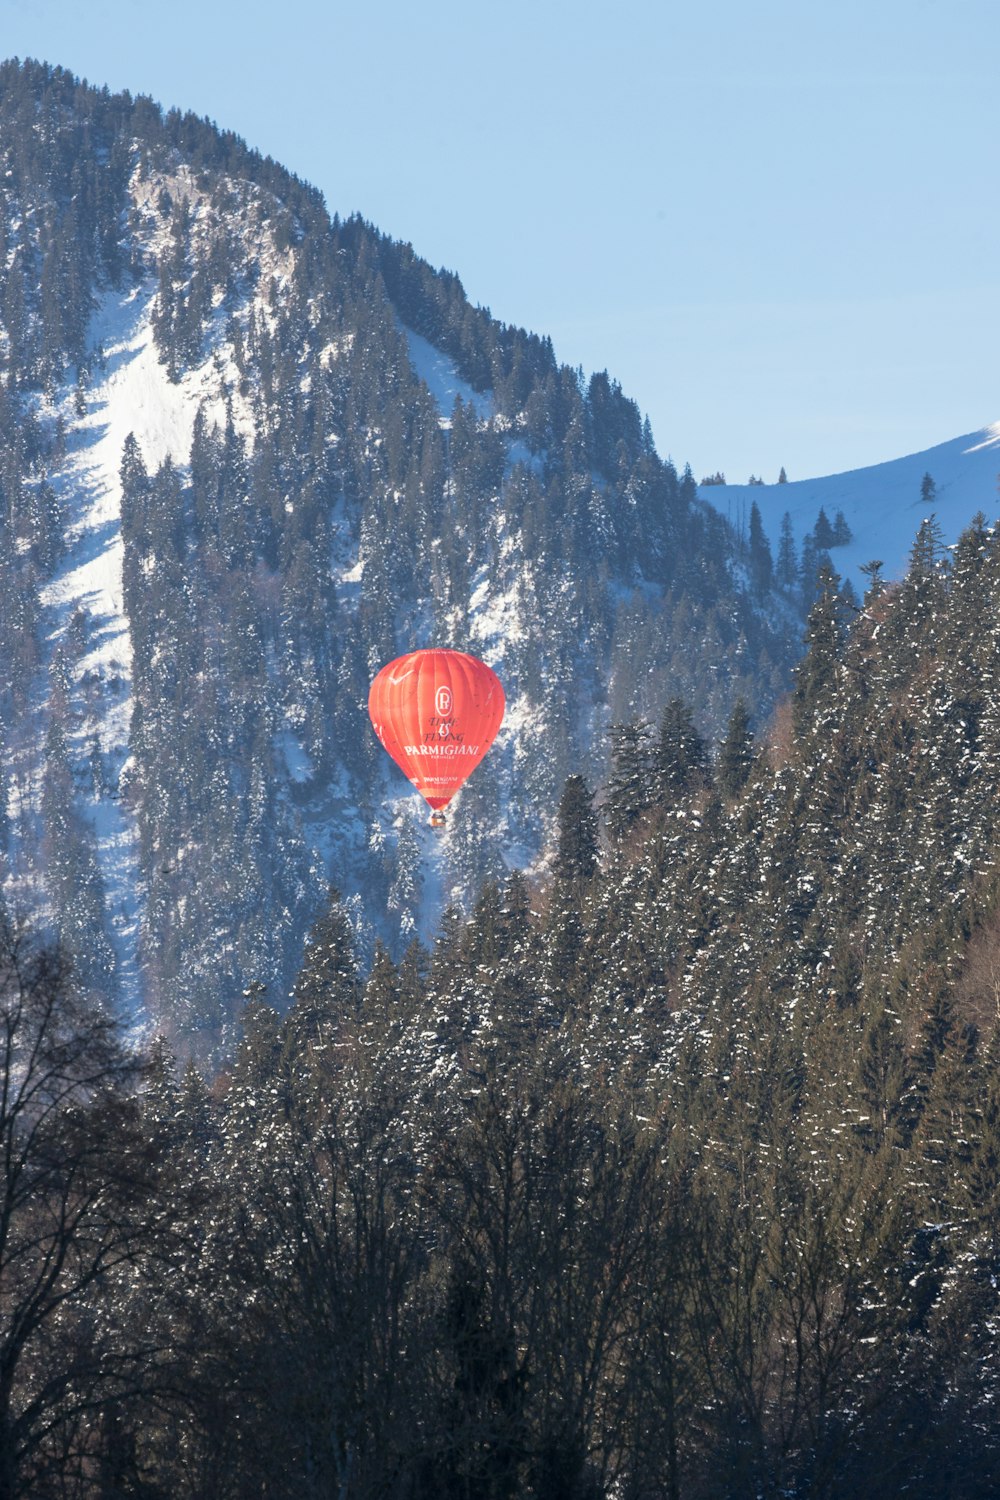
x: 777, y: 224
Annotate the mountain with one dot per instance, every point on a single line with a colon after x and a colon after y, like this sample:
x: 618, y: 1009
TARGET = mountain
x: 883, y: 504
x: 250, y: 453
x: 677, y: 1174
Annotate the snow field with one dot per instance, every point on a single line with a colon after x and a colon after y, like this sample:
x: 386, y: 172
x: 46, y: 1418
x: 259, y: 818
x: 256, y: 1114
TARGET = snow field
x: 882, y: 504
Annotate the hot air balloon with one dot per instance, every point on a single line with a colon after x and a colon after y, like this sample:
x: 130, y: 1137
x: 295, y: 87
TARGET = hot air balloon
x: 437, y: 713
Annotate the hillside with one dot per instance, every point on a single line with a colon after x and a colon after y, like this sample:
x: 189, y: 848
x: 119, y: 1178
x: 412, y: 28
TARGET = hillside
x: 251, y: 453
x: 883, y: 504
x: 676, y: 1174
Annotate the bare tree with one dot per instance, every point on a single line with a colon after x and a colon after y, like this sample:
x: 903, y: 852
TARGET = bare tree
x: 77, y: 1179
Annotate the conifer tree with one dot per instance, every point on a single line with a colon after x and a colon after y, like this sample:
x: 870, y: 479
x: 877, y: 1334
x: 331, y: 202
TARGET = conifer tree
x: 809, y: 565
x: 823, y: 532
x: 927, y: 547
x: 816, y: 673
x: 405, y: 891
x: 381, y: 995
x: 876, y: 583
x: 786, y: 571
x: 842, y: 533
x: 735, y: 759
x: 327, y: 986
x: 631, y: 786
x: 681, y: 757
x: 577, y: 848
x: 760, y: 562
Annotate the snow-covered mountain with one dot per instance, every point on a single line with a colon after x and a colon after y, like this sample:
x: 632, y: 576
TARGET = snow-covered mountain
x: 249, y: 453
x: 883, y: 504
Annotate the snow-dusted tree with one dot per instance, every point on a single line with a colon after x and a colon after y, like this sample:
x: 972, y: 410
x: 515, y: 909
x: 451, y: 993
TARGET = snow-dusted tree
x: 631, y: 785
x: 681, y: 756
x: 577, y: 850
x: 824, y: 635
x: 735, y: 758
x: 407, y: 884
x: 326, y: 989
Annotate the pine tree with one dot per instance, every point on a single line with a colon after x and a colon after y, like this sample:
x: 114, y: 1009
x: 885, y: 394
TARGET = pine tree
x: 760, y: 561
x: 876, y: 583
x: 823, y: 532
x: 928, y: 544
x: 786, y: 571
x: 681, y: 759
x: 814, y: 563
x: 327, y: 986
x: 631, y: 786
x: 816, y: 674
x: 382, y: 988
x: 842, y: 534
x: 736, y: 755
x: 405, y: 891
x: 577, y: 848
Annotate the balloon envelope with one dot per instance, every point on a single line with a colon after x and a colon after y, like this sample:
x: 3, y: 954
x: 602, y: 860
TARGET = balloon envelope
x: 437, y: 713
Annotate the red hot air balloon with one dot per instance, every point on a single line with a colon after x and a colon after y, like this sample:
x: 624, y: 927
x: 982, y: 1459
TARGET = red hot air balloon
x: 437, y: 713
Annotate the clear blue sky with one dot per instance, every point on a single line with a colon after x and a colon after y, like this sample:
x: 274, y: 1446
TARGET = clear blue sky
x: 777, y: 224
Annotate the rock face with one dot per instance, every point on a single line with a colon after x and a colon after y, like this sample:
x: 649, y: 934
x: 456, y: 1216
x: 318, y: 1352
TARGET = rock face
x: 250, y: 455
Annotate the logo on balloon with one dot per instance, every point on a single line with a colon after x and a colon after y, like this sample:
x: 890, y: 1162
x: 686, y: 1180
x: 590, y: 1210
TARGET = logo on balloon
x: 443, y: 700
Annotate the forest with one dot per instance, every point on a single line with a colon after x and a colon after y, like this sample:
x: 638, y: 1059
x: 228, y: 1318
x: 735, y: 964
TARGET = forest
x: 673, y: 1174
x: 318, y: 514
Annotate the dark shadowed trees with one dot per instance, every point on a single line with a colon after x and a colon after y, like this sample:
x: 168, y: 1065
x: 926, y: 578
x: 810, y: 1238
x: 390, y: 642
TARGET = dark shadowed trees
x: 80, y: 1204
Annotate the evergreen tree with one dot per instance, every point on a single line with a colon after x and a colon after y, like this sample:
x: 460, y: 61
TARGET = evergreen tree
x: 876, y: 584
x: 631, y: 785
x: 405, y: 891
x: 735, y: 758
x: 760, y: 561
x: 927, y: 547
x: 577, y: 848
x: 327, y: 986
x: 681, y: 761
x: 817, y: 673
x: 842, y: 533
x: 786, y: 570
x: 823, y: 532
x: 815, y: 562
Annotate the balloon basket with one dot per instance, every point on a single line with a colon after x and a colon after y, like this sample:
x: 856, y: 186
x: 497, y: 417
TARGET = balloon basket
x: 438, y: 820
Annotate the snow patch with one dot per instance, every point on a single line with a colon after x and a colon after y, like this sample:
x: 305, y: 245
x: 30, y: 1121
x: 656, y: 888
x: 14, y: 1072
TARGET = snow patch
x: 82, y: 603
x: 882, y: 504
x: 440, y: 374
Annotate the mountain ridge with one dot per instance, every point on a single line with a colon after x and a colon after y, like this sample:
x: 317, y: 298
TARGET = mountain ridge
x: 882, y: 503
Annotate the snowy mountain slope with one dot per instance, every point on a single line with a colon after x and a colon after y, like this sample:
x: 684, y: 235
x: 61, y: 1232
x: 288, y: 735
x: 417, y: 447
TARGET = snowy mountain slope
x: 82, y: 601
x: 189, y: 621
x: 882, y: 504
x: 86, y: 628
x: 86, y: 650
